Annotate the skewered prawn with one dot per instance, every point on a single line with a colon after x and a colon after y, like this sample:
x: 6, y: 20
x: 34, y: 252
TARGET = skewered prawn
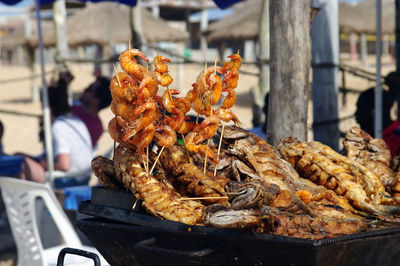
x: 149, y: 114
x: 123, y: 86
x: 184, y: 104
x: 208, y: 127
x: 192, y: 145
x: 130, y: 65
x: 161, y: 70
x: 147, y: 89
x: 167, y: 138
x: 229, y: 84
x: 123, y: 109
x: 227, y: 115
x: 115, y: 128
x: 205, y: 130
x: 203, y: 79
x: 232, y: 67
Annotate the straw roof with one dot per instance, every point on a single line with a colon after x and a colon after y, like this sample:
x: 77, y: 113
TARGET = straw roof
x: 360, y: 18
x: 13, y: 39
x: 107, y: 22
x: 243, y: 24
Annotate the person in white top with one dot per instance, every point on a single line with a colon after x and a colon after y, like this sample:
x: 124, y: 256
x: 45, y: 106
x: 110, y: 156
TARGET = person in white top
x: 72, y: 146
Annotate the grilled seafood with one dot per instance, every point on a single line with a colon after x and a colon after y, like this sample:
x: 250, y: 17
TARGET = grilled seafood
x: 304, y: 226
x: 123, y: 87
x: 320, y: 169
x: 229, y: 84
x: 372, y: 153
x: 161, y: 70
x: 369, y: 181
x: 222, y: 217
x: 176, y: 162
x: 130, y: 65
x: 103, y: 169
x: 158, y: 198
x: 259, y: 155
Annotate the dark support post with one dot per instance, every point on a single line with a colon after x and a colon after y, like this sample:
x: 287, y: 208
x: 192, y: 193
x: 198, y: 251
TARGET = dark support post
x: 397, y: 45
x: 290, y: 68
x: 325, y: 58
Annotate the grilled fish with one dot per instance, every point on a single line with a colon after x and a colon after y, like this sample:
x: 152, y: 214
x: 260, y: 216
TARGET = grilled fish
x: 372, y: 153
x: 304, y: 226
x: 175, y: 161
x: 103, y: 169
x: 325, y: 167
x: 159, y: 198
x: 222, y: 217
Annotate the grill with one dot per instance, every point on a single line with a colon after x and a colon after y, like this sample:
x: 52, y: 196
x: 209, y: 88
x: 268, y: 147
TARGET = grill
x: 124, y: 237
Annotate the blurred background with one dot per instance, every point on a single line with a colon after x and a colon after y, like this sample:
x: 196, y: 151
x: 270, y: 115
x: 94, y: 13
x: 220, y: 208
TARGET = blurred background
x: 86, y: 37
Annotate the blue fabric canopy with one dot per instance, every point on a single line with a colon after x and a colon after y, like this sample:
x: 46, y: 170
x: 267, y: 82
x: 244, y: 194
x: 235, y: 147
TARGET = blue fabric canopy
x: 220, y: 3
x: 44, y: 2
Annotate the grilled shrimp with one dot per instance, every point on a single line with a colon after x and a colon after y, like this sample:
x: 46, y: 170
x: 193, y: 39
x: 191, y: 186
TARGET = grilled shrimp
x: 232, y: 67
x: 147, y: 89
x: 123, y: 109
x: 161, y: 70
x: 193, y: 144
x: 167, y: 137
x: 130, y: 65
x: 123, y: 87
x: 227, y: 115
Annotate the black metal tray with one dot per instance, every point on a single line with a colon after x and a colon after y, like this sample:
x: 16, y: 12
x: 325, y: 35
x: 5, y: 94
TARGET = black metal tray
x: 134, y: 238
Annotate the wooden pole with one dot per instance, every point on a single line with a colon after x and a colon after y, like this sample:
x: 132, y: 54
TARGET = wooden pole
x: 325, y: 58
x: 60, y: 19
x: 203, y: 27
x: 364, y: 51
x: 290, y: 68
x: 397, y: 30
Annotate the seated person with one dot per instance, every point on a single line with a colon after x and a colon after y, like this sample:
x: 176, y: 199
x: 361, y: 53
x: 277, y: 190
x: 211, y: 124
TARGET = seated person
x: 365, y: 116
x: 72, y: 146
x: 391, y: 134
x: 262, y: 129
x: 93, y: 99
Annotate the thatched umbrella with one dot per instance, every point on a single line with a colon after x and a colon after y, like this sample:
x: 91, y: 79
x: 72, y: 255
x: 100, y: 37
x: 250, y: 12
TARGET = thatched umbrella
x: 106, y: 22
x: 360, y: 18
x: 13, y: 39
x: 243, y: 24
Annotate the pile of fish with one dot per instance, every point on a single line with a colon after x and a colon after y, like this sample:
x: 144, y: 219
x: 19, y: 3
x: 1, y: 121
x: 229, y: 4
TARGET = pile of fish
x: 226, y: 177
x: 299, y: 189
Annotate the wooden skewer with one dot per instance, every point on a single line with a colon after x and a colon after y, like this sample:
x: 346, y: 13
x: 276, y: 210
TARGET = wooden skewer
x: 147, y: 156
x: 145, y: 166
x: 129, y: 44
x: 205, y: 159
x: 116, y: 74
x: 204, y: 198
x: 155, y: 162
x: 187, y: 152
x: 219, y: 148
x: 134, y: 204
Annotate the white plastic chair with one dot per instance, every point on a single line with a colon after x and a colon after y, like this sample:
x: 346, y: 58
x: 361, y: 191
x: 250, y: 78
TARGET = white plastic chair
x: 19, y: 197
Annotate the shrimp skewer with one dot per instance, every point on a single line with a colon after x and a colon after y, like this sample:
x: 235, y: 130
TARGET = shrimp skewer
x: 130, y: 65
x: 229, y: 84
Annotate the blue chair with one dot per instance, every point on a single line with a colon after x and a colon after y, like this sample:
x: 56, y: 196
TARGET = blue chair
x: 10, y: 165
